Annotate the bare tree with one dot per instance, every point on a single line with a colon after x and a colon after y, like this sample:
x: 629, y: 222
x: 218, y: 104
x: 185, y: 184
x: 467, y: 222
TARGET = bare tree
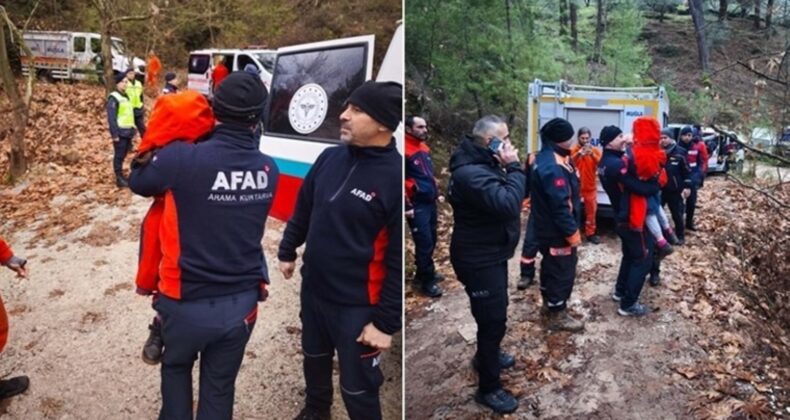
x: 757, y: 14
x: 600, y: 28
x: 697, y: 15
x: 769, y: 12
x: 19, y: 104
x: 722, y: 10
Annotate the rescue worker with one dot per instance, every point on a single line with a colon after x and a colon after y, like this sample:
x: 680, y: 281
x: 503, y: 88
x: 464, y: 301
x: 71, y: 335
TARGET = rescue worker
x: 134, y: 91
x: 421, y: 194
x: 529, y: 250
x: 349, y: 213
x: 171, y: 82
x: 698, y: 163
x: 617, y: 174
x: 120, y: 118
x: 217, y: 196
x: 18, y: 384
x: 585, y: 158
x: 554, y: 188
x: 486, y: 190
x: 219, y: 73
x: 673, y: 193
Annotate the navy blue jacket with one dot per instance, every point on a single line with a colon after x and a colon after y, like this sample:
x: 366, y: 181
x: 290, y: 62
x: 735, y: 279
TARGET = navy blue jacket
x: 678, y: 172
x: 349, y: 213
x: 421, y: 185
x: 112, y: 120
x: 486, y: 200
x: 617, y: 175
x: 217, y: 194
x: 554, y: 197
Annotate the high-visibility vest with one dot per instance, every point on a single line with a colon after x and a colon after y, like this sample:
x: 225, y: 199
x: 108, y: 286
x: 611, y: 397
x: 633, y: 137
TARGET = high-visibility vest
x: 134, y: 90
x: 125, y: 111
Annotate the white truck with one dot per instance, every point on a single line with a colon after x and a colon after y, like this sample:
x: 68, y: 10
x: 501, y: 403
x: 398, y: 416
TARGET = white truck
x: 593, y: 107
x: 73, y: 55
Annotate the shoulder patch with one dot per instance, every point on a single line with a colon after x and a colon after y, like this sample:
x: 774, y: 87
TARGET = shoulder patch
x: 559, y: 182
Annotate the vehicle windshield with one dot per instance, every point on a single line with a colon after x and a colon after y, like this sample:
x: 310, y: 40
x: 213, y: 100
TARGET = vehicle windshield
x: 267, y: 60
x: 118, y: 47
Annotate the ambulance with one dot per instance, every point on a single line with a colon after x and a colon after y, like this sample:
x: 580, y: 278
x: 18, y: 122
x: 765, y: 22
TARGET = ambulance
x: 593, y: 107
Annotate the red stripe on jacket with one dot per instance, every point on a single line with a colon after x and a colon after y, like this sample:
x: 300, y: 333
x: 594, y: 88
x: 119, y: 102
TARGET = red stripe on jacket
x: 170, y: 271
x: 377, y: 269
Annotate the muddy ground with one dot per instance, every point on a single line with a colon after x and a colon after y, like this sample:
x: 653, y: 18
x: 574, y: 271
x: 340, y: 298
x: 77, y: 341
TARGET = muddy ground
x: 668, y: 365
x: 77, y: 329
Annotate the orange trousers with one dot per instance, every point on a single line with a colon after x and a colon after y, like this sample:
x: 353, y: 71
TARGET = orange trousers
x: 590, y: 209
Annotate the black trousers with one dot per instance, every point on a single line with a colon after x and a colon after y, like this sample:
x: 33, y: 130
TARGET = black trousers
x: 529, y: 250
x: 691, y: 202
x: 217, y: 330
x: 139, y: 115
x: 674, y: 200
x: 326, y: 328
x: 120, y: 150
x: 636, y: 262
x: 487, y: 291
x: 557, y: 275
x: 423, y: 231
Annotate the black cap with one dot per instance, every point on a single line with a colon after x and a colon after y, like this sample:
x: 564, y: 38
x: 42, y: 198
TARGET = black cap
x: 381, y: 100
x: 119, y: 77
x: 240, y: 99
x: 686, y: 130
x: 557, y: 130
x: 608, y: 134
x: 170, y: 76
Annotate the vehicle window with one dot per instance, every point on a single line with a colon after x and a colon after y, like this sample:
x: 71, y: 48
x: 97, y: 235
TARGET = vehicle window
x: 267, y: 60
x: 309, y: 89
x: 79, y: 44
x: 242, y: 60
x: 96, y: 45
x: 198, y: 63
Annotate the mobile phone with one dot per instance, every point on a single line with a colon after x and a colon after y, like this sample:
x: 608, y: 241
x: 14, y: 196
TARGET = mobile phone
x: 495, y: 145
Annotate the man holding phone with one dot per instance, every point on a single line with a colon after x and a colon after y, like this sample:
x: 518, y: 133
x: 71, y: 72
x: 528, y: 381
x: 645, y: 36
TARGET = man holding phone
x: 554, y: 189
x: 585, y: 158
x: 486, y: 190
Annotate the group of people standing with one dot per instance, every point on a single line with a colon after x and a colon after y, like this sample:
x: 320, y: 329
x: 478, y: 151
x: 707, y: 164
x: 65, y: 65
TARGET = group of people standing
x: 489, y: 187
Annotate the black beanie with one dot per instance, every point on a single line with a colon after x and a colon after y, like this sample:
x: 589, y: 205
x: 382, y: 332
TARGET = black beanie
x: 381, y: 100
x: 686, y: 130
x: 239, y: 99
x: 608, y: 134
x: 557, y: 130
x: 170, y: 76
x: 119, y: 77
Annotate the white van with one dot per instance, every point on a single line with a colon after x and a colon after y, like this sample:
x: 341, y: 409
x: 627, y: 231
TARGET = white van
x: 73, y: 55
x: 317, y: 77
x: 201, y: 65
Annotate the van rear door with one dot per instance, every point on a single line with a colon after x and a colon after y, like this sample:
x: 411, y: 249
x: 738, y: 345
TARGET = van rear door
x: 199, y: 76
x: 309, y: 87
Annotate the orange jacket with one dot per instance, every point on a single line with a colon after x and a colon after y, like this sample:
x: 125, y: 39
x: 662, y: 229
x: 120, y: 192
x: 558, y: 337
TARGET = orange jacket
x: 5, y: 252
x: 218, y: 75
x: 587, y: 167
x: 5, y: 255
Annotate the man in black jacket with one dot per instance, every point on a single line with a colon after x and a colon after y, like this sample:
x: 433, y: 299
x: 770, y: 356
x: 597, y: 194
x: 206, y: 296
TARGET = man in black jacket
x: 349, y: 213
x: 556, y: 205
x: 486, y: 189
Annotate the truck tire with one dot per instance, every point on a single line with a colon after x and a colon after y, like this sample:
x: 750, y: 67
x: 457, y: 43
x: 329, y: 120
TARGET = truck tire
x: 45, y: 75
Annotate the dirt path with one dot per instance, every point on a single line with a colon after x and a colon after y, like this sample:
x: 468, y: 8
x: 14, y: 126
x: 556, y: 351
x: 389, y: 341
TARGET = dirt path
x: 650, y: 368
x: 77, y: 329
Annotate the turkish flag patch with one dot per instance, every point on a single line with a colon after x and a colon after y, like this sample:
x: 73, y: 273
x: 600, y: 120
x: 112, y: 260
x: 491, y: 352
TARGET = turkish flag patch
x: 559, y: 182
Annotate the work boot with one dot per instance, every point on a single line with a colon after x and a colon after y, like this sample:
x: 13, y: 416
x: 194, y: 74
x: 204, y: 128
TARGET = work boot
x: 563, y: 321
x: 438, y: 277
x: 690, y: 226
x: 152, y: 349
x: 636, y: 310
x: 670, y: 236
x: 13, y: 386
x: 524, y: 282
x: 499, y: 400
x: 121, y: 182
x: 506, y: 361
x: 595, y: 239
x: 654, y: 279
x: 310, y: 413
x: 681, y: 241
x: 664, y: 251
x: 431, y: 290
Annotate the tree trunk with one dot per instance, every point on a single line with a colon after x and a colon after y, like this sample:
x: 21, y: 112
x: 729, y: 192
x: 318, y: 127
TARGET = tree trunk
x: 599, y: 31
x: 18, y: 155
x: 574, y: 31
x: 106, y: 56
x: 769, y: 12
x: 699, y: 29
x: 722, y: 10
x: 563, y: 17
x: 757, y: 14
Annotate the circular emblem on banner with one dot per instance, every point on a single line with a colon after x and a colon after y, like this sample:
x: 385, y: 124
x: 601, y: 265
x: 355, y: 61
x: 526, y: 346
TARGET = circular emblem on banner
x: 308, y: 108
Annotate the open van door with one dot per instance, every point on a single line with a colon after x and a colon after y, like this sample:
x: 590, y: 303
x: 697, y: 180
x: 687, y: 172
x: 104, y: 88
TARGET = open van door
x: 310, y: 84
